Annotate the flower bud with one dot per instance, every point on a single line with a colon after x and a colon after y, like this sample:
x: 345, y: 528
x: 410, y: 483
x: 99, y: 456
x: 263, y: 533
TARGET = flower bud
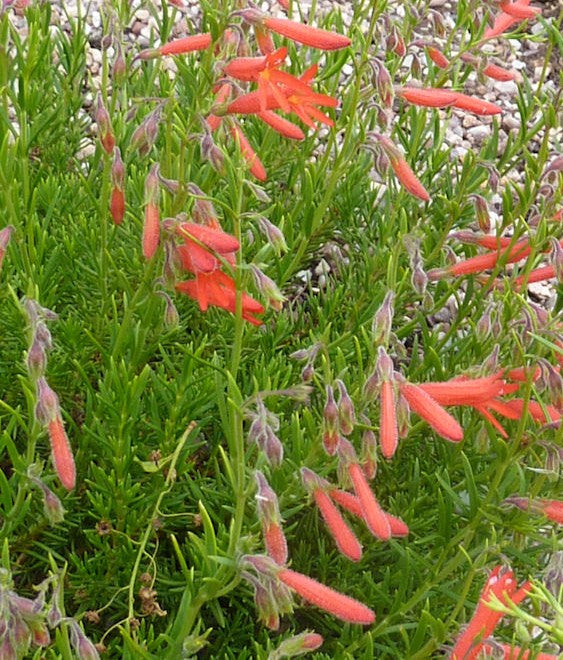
x: 258, y: 192
x: 308, y: 372
x: 382, y: 82
x: 369, y: 453
x: 52, y: 506
x: 83, y: 647
x: 482, y: 213
x: 419, y: 278
x: 211, y: 153
x: 346, y: 411
x: 36, y: 360
x: 145, y: 135
x: 104, y: 126
x: 272, y: 447
x: 47, y: 408
x: 268, y: 288
x: 119, y: 68
x: 331, y: 436
x: 297, y: 645
x: 395, y: 42
x: 484, y: 324
x: 383, y: 320
x: 273, y: 235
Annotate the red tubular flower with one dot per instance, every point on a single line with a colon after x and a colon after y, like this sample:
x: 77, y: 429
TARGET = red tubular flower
x: 49, y: 414
x: 475, y: 105
x: 424, y: 405
x: 222, y: 96
x: 63, y: 459
x: 439, y: 59
x: 341, y: 606
x: 389, y: 433
x: 218, y: 289
x: 499, y: 73
x: 343, y: 536
x: 281, y: 125
x: 502, y: 22
x: 519, y: 11
x: 535, y: 410
x: 189, y: 44
x: 198, y: 259
x: 427, y: 97
x: 255, y: 164
x: 151, y: 230
x: 465, y: 391
x: 402, y: 169
x: 307, y: 35
x: 117, y: 199
x: 520, y: 250
x: 408, y: 179
x: 441, y: 98
x: 117, y: 205
x: 502, y: 585
x: 270, y: 519
x: 536, y: 275
x: 372, y: 513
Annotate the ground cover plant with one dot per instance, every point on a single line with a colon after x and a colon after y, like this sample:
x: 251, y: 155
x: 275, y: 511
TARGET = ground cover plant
x: 273, y: 377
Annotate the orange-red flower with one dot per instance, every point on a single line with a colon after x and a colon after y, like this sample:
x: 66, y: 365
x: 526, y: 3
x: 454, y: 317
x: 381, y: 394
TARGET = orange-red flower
x: 218, y: 289
x: 182, y: 46
x: 352, y: 504
x: 301, y: 102
x: 502, y: 22
x: 502, y: 585
x: 401, y: 168
x: 442, y: 98
x: 372, y: 513
x: 305, y: 34
x: 341, y: 606
x: 439, y: 59
x: 248, y: 153
x: 432, y: 412
x: 343, y: 536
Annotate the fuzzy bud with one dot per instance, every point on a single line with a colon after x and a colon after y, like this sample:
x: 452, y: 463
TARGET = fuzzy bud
x: 273, y: 235
x: 383, y: 320
x: 382, y: 82
x: 369, y: 453
x: 484, y: 324
x: 104, y: 126
x: 330, y: 423
x: 482, y: 213
x: 47, y: 408
x: 212, y: 154
x: 297, y: 645
x: 83, y: 647
x: 118, y: 69
x: 145, y: 134
x: 346, y: 411
x: 36, y: 359
x: 268, y: 288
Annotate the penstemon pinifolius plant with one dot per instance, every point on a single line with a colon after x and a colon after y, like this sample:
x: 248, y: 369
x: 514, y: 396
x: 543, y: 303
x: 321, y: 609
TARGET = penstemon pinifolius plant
x: 276, y: 377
